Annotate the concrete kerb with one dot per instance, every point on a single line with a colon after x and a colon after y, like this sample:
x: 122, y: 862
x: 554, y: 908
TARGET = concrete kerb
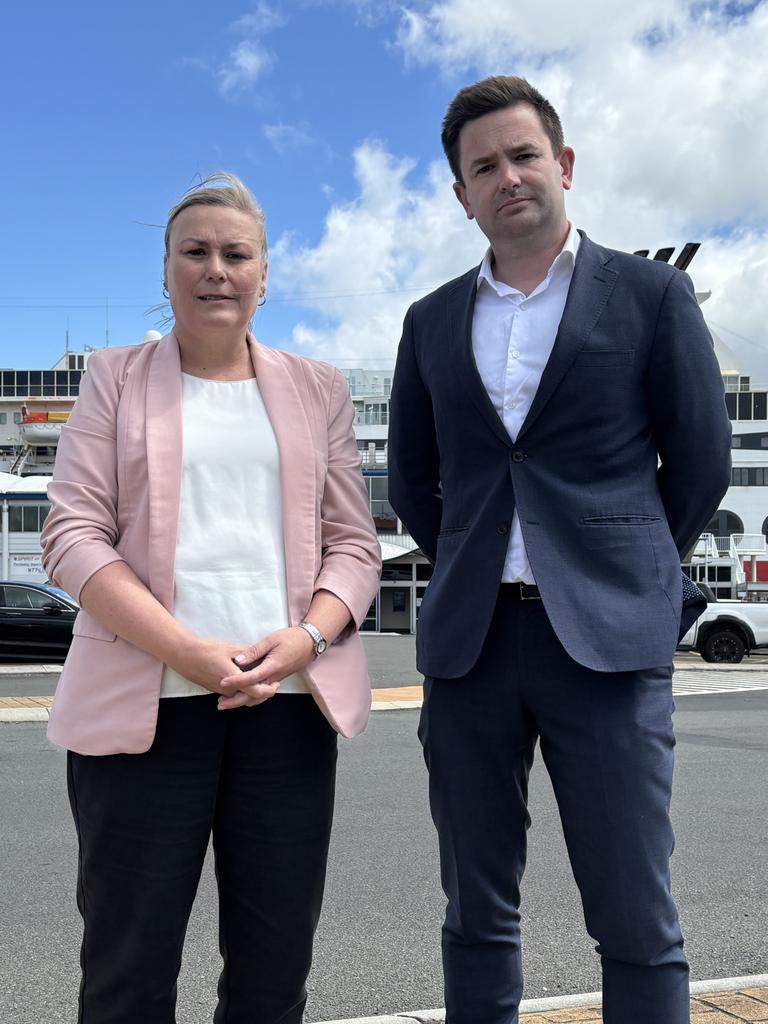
x: 570, y: 1002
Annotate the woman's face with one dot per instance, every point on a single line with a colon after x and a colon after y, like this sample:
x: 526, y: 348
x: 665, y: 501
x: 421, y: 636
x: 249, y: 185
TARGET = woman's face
x: 214, y: 269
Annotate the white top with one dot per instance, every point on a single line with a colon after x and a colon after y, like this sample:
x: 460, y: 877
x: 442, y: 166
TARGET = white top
x: 230, y: 556
x: 512, y: 337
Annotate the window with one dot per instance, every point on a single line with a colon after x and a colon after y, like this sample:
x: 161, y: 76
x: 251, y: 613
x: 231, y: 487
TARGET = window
x: 739, y: 476
x: 379, y: 487
x: 724, y: 523
x: 3, y: 417
x: 25, y: 597
x: 761, y: 405
x: 745, y: 406
x: 27, y: 518
x: 730, y: 404
x: 17, y: 417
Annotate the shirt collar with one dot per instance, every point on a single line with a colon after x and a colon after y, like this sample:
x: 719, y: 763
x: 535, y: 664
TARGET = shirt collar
x: 565, y: 258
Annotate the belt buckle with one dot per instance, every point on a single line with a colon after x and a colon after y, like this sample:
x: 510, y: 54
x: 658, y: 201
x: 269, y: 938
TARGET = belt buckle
x: 527, y: 597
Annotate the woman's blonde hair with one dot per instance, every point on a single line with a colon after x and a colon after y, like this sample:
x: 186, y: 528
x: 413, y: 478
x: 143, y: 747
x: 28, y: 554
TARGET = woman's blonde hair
x: 220, y: 189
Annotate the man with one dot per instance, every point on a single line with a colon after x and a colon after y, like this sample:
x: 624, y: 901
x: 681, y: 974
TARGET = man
x: 558, y: 439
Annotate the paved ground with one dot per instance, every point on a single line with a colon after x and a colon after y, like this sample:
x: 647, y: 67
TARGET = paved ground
x: 377, y: 948
x: 711, y: 1008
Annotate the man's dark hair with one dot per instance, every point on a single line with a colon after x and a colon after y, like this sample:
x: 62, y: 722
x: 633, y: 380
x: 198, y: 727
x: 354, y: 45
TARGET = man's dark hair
x: 496, y: 93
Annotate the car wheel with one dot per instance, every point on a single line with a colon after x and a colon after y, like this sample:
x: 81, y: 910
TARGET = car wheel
x: 724, y: 645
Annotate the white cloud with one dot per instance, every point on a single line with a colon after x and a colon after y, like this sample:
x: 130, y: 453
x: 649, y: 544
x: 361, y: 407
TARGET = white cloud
x: 245, y: 64
x: 290, y: 138
x: 378, y: 253
x: 262, y: 19
x: 665, y: 107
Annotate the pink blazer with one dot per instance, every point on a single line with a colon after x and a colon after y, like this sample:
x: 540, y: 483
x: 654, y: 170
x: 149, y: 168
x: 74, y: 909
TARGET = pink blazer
x: 115, y: 497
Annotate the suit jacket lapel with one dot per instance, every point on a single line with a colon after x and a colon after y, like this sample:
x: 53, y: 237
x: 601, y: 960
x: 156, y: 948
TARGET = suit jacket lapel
x: 164, y: 459
x: 298, y: 480
x: 460, y: 308
x: 591, y: 286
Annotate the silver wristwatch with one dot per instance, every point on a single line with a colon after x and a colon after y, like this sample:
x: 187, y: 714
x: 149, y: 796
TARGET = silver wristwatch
x: 318, y: 640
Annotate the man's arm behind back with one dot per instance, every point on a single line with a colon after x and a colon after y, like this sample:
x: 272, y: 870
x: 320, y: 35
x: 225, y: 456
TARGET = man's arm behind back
x: 414, y: 458
x: 688, y: 414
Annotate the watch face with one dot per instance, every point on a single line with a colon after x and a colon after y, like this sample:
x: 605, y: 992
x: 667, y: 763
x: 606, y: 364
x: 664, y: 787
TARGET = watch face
x: 320, y: 646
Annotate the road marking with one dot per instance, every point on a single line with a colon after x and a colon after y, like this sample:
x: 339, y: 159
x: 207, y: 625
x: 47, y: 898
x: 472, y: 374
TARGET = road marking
x: 716, y: 681
x: 685, y: 683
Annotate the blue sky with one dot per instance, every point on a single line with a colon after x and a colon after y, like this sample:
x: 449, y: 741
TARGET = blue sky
x: 331, y: 111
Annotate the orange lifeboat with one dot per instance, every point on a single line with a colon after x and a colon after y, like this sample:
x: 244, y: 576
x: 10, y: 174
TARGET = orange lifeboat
x: 41, y: 429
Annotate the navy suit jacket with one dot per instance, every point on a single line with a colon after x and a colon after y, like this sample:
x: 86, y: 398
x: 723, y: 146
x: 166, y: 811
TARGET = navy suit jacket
x: 620, y: 463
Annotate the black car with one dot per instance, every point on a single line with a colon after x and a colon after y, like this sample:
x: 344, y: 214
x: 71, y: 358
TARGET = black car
x: 35, y: 621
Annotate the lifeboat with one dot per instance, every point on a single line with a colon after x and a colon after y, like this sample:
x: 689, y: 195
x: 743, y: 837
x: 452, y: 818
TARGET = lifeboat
x: 41, y: 429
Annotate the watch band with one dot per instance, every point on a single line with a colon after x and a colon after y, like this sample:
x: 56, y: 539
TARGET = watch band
x: 318, y: 640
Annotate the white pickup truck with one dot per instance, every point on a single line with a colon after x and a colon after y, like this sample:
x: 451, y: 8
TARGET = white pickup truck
x: 727, y: 630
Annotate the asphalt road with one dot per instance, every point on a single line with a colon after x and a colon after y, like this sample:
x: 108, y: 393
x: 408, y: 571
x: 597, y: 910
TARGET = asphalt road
x: 391, y: 662
x: 377, y: 947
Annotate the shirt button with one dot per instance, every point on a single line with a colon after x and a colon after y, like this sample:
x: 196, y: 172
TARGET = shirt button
x: 503, y: 529
x: 518, y: 456
x: 515, y: 353
x: 523, y: 305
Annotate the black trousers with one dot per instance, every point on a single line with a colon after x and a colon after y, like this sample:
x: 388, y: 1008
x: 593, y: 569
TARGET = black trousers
x: 261, y: 781
x: 607, y: 742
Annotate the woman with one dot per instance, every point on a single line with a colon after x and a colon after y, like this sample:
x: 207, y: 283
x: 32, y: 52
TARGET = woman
x: 209, y: 514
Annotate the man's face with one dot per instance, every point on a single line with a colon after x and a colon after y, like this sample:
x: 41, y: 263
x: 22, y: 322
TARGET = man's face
x: 513, y: 183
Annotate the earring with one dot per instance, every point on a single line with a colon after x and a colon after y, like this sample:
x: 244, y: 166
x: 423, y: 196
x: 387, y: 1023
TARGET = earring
x: 262, y: 299
x: 166, y: 294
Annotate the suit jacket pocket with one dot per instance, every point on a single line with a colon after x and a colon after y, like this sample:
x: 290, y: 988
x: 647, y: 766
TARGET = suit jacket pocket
x: 86, y: 625
x: 594, y: 358
x: 621, y: 519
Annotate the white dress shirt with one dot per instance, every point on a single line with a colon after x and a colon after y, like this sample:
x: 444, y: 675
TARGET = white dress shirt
x: 230, y: 556
x: 512, y: 339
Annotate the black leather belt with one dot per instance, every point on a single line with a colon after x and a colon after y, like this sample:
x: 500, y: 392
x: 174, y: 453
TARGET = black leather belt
x: 521, y: 591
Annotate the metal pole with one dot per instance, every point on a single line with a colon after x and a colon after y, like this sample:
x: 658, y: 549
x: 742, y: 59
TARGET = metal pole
x: 6, y: 558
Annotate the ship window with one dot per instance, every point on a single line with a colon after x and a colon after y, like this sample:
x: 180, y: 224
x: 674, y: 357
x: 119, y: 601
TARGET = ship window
x: 3, y: 417
x: 761, y: 405
x: 379, y: 488
x: 724, y: 523
x: 730, y: 404
x: 739, y: 476
x: 22, y: 381
x: 17, y: 417
x: 745, y: 406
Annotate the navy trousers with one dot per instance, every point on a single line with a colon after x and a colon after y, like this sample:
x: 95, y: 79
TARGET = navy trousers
x: 260, y: 780
x: 607, y: 742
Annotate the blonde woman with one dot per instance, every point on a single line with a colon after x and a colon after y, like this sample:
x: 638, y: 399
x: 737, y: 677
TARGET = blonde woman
x: 209, y: 514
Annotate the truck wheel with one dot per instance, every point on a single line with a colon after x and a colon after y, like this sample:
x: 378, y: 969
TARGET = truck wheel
x: 724, y: 645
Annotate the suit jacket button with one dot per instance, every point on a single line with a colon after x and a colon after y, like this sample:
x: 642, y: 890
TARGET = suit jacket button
x: 503, y: 529
x: 518, y: 456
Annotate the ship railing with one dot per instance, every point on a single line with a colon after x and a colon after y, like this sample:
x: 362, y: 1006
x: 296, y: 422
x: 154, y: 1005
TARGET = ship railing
x: 373, y: 457
x: 707, y: 546
x: 749, y: 544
